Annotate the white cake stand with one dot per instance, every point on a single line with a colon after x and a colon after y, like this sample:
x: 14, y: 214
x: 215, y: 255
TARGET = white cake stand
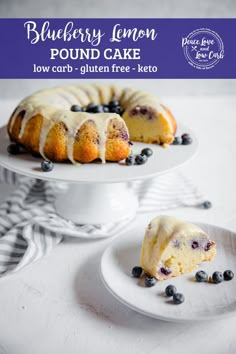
x: 99, y: 193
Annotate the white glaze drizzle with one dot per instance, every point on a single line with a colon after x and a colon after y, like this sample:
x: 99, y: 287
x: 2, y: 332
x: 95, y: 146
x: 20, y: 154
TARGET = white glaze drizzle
x: 72, y: 120
x: 54, y: 106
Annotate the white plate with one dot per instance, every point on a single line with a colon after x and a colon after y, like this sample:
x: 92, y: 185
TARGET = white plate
x: 163, y: 160
x: 203, y: 301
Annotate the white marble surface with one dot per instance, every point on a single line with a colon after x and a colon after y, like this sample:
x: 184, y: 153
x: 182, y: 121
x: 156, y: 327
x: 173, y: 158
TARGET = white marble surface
x: 59, y: 305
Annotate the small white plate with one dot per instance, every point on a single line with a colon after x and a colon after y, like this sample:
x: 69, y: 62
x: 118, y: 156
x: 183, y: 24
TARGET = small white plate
x: 203, y: 301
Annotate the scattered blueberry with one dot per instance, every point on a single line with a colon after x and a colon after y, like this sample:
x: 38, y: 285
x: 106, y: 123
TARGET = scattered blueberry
x: 178, y: 298
x: 13, y: 149
x: 136, y: 272
x: 76, y: 108
x: 177, y: 140
x: 147, y: 151
x: 206, y: 205
x: 217, y: 277
x: 185, y: 135
x: 47, y: 166
x: 130, y: 160
x: 187, y: 140
x: 228, y: 275
x: 150, y: 281
x: 201, y: 276
x: 170, y: 290
x: 141, y: 159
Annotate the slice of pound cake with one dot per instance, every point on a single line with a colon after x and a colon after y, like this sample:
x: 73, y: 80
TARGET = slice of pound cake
x: 172, y: 247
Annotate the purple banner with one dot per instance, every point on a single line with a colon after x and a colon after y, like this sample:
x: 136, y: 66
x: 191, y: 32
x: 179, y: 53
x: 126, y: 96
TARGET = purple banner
x: 117, y: 48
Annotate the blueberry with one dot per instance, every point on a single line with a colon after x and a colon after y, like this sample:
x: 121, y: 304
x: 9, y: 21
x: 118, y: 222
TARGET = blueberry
x: 112, y: 109
x: 177, y: 140
x: 90, y: 107
x: 147, y: 151
x: 98, y: 109
x: 217, y: 277
x: 170, y: 290
x: 143, y: 110
x: 228, y: 275
x: 106, y: 109
x: 187, y: 140
x: 165, y: 271
x: 76, y: 108
x: 47, y: 166
x: 116, y: 109
x: 114, y: 103
x: 201, y: 276
x: 206, y: 205
x: 185, y: 135
x: 130, y: 160
x: 137, y: 272
x: 13, y: 149
x: 195, y: 244
x: 141, y: 159
x: 150, y: 281
x: 178, y: 298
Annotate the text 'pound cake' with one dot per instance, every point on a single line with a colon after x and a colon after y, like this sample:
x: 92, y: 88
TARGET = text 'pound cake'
x: 172, y: 247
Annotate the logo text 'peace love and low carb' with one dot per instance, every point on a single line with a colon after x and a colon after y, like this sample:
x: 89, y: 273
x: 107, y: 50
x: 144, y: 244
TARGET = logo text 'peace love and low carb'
x: 203, y: 48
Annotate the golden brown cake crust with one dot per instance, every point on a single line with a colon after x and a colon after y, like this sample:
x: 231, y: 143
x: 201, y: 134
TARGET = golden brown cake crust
x: 86, y: 147
x: 44, y: 124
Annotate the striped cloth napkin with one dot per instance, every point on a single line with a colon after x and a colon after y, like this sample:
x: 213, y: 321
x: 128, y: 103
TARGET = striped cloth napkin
x: 30, y: 227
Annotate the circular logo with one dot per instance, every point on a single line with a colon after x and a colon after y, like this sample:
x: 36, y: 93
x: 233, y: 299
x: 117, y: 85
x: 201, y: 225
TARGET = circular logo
x: 203, y: 48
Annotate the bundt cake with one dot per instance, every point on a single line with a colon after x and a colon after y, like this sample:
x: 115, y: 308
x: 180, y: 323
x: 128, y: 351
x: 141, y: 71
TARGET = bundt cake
x: 172, y: 247
x: 45, y: 123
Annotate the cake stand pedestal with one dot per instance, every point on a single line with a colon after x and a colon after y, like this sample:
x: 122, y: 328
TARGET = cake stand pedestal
x: 99, y: 193
x: 97, y: 203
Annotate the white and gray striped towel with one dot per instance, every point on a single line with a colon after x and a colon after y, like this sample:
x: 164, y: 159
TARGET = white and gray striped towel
x: 30, y: 227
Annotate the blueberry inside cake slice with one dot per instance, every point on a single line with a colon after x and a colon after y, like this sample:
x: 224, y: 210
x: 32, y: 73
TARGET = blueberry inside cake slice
x: 172, y: 247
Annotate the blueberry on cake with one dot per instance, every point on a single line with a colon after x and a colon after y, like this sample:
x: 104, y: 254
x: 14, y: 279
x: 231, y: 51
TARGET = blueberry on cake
x: 172, y: 247
x: 81, y: 123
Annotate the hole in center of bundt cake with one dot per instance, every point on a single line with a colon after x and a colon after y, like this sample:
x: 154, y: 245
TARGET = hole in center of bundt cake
x: 113, y: 106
